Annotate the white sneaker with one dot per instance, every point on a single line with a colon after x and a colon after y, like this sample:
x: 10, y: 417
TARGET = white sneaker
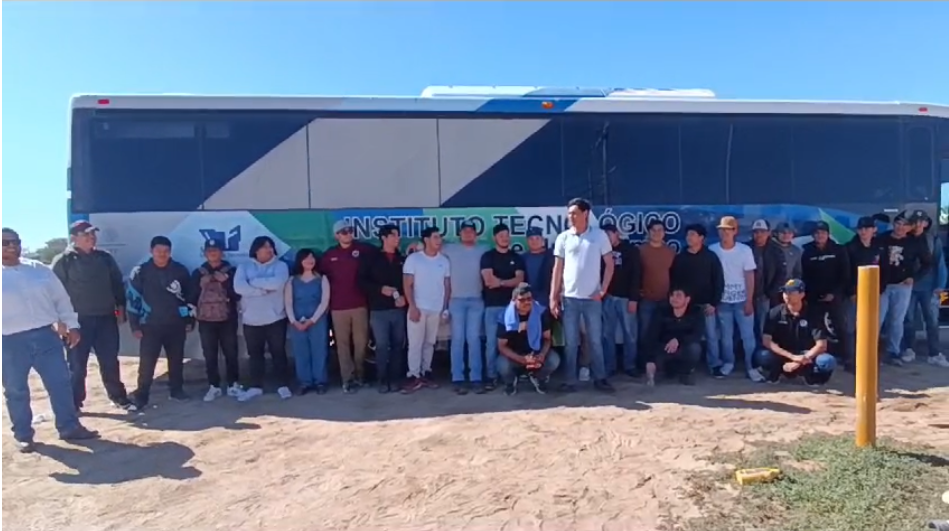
x: 285, y: 393
x: 250, y: 394
x: 213, y: 394
x: 755, y: 376
x: 939, y: 361
x: 235, y: 390
x: 908, y: 356
x: 584, y: 374
x: 728, y: 368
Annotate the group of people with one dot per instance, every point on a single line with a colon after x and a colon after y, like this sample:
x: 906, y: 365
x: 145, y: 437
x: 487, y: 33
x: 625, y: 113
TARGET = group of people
x: 786, y: 304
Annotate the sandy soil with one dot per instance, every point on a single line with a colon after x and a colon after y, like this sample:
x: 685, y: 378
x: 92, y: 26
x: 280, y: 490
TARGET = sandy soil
x: 428, y: 461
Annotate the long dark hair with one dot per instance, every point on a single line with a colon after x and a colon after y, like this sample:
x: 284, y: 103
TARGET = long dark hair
x: 302, y: 255
x: 259, y: 242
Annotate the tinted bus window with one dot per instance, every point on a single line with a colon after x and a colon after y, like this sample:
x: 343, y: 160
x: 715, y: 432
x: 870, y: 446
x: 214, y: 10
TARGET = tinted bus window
x: 704, y: 148
x: 644, y: 163
x: 918, y: 163
x: 760, y: 163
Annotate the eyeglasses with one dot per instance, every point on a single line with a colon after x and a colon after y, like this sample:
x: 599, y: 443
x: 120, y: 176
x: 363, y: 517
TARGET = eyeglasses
x: 11, y: 242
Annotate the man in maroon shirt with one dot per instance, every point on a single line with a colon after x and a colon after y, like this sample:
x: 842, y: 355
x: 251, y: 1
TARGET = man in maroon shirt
x: 348, y: 305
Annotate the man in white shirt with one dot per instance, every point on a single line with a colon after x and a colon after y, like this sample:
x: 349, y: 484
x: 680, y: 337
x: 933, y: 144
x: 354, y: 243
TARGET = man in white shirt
x: 37, y: 317
x: 577, y: 291
x: 737, y: 305
x: 427, y: 285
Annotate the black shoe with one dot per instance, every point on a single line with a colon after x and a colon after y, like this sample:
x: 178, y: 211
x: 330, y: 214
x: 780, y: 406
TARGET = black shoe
x: 633, y: 373
x: 384, y: 388
x: 25, y: 447
x: 460, y: 388
x: 351, y: 387
x: 604, y: 386
x: 139, y: 400
x: 539, y: 385
x: 320, y: 389
x: 80, y: 434
x: 303, y: 390
x: 568, y: 388
x: 718, y: 374
x: 124, y: 403
x: 479, y: 388
x: 490, y: 385
x: 892, y: 361
x: 687, y: 379
x: 511, y: 389
x: 179, y: 396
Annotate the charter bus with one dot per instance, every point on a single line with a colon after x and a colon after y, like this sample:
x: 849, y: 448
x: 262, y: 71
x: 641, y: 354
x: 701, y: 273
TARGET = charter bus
x: 235, y: 167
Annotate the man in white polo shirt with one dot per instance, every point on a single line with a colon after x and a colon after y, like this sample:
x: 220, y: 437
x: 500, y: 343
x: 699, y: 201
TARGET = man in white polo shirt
x: 577, y: 292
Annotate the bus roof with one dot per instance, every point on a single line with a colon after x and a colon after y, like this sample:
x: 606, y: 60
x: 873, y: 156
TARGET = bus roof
x: 512, y: 100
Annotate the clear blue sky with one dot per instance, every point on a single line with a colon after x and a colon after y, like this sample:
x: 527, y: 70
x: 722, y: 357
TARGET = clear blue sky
x: 867, y: 51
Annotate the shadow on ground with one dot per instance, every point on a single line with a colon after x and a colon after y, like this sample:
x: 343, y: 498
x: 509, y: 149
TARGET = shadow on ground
x: 104, y: 462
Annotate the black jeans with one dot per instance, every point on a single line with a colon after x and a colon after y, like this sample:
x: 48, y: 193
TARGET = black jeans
x: 216, y: 339
x: 99, y: 333
x: 260, y: 339
x: 155, y: 338
x: 681, y: 362
x: 388, y: 330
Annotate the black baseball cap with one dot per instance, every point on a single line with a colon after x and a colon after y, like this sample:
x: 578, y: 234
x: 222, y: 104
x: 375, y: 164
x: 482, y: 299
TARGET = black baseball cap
x: 821, y: 226
x: 866, y: 222
x: 467, y: 224
x: 213, y: 244
x: 82, y: 227
x: 609, y: 227
x: 535, y: 231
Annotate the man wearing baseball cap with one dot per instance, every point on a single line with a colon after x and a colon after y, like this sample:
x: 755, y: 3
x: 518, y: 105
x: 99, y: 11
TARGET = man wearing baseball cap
x: 770, y: 273
x: 826, y: 268
x: 795, y: 340
x: 95, y: 286
x: 784, y: 237
x: 927, y: 286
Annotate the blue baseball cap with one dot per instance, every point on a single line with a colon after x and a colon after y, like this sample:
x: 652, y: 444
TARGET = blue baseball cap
x: 535, y: 231
x: 795, y: 285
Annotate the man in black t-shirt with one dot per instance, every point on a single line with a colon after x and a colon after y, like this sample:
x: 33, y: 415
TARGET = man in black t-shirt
x: 795, y: 340
x: 501, y: 271
x: 524, y: 341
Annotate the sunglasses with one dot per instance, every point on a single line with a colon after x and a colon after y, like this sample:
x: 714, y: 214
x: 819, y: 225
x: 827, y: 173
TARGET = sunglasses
x: 11, y: 242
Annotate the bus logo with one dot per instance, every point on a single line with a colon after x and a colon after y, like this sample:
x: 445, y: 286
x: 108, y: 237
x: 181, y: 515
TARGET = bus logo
x: 231, y: 238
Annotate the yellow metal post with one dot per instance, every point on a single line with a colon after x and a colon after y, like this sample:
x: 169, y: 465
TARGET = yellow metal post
x: 868, y: 333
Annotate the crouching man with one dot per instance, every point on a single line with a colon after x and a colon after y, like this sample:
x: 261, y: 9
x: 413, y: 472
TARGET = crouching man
x: 795, y: 340
x: 673, y: 338
x: 524, y: 341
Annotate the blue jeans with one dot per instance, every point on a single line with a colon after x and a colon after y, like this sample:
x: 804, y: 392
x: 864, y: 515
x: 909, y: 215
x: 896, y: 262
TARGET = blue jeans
x: 492, y: 318
x: 591, y: 312
x: 100, y: 333
x: 467, y: 319
x: 926, y: 303
x: 509, y: 371
x: 310, y: 351
x: 729, y: 315
x: 41, y: 350
x: 894, y: 303
x: 388, y: 331
x: 762, y: 307
x: 713, y: 354
x: 819, y: 372
x: 644, y: 313
x: 616, y: 316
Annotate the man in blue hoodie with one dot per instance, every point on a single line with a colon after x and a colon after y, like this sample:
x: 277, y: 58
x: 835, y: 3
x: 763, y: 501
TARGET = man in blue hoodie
x: 524, y: 342
x: 927, y: 286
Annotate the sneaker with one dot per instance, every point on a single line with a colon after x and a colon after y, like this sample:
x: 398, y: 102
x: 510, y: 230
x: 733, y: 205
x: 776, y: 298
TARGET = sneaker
x: 124, y: 404
x: 633, y: 373
x: 460, y: 388
x: 939, y: 361
x: 429, y: 382
x: 568, y: 388
x: 687, y: 379
x: 213, y: 394
x: 727, y: 369
x: 235, y: 390
x: 718, y: 374
x: 584, y: 374
x: 755, y: 376
x: 604, y: 386
x: 539, y: 385
x: 478, y: 388
x: 511, y: 388
x: 384, y: 388
x: 908, y: 356
x: 25, y: 447
x: 321, y: 389
x: 80, y: 434
x: 351, y: 387
x: 490, y: 385
x: 138, y: 400
x: 250, y: 393
x: 892, y: 361
x: 412, y: 385
x: 284, y: 393
x: 179, y: 396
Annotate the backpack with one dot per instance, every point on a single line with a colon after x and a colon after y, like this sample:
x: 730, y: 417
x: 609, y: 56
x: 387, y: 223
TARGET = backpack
x: 214, y: 303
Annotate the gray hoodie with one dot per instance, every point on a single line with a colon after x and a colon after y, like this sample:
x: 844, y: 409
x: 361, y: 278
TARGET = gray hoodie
x: 792, y: 257
x: 92, y: 280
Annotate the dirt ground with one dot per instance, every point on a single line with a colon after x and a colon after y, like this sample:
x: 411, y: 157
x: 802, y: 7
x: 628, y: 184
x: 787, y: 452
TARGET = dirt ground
x: 427, y: 461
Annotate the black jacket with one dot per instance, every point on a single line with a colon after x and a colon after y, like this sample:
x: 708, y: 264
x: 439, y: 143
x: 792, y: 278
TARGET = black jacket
x: 664, y: 326
x: 627, y: 279
x: 232, y: 295
x: 826, y: 271
x: 92, y: 280
x: 771, y: 269
x: 376, y: 271
x: 700, y: 274
x: 160, y: 296
x: 541, y: 285
x: 906, y: 257
x: 862, y: 255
